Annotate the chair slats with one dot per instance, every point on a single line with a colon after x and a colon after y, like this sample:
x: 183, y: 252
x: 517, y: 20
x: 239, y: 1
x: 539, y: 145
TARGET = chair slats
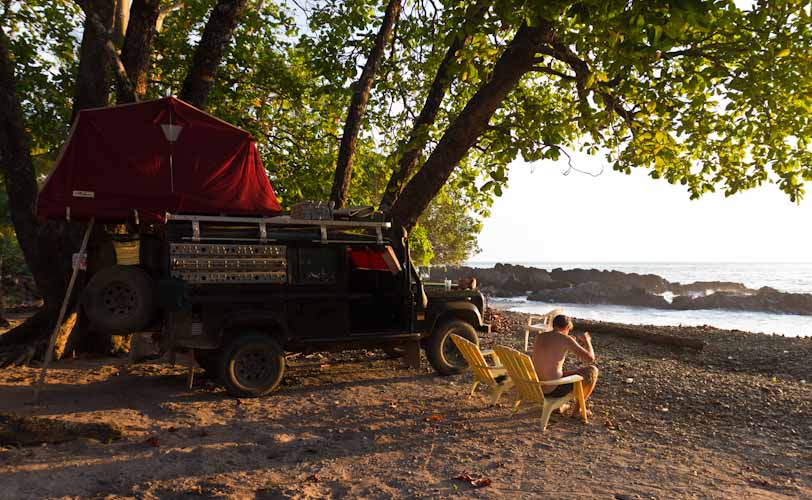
x: 520, y: 368
x: 482, y: 371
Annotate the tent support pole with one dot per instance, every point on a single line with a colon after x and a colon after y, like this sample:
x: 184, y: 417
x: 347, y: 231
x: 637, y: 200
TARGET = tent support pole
x: 50, y: 352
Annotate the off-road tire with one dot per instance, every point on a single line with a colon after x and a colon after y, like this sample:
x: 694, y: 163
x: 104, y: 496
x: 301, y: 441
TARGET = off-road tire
x: 441, y: 352
x: 251, y: 365
x: 120, y: 300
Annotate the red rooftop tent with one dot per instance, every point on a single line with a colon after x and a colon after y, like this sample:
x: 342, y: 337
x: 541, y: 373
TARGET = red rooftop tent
x: 156, y: 157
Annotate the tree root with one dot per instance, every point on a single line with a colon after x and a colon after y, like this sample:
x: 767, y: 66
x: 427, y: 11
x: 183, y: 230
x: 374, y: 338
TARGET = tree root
x: 21, y: 354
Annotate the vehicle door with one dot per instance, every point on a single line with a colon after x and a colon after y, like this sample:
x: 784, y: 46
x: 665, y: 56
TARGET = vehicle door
x: 317, y: 306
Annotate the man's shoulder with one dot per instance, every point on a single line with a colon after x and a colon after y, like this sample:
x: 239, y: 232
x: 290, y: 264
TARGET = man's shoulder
x: 552, y: 340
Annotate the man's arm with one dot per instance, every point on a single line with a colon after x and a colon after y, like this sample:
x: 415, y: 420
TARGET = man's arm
x: 580, y: 352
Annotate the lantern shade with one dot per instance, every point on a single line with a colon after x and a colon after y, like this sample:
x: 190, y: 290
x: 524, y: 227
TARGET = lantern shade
x: 171, y: 132
x: 117, y: 160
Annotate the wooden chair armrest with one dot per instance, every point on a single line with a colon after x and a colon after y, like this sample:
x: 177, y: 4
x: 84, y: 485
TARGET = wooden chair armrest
x: 563, y: 380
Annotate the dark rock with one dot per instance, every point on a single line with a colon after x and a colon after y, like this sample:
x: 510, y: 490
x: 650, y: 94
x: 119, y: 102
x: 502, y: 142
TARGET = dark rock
x: 502, y: 280
x: 704, y: 286
x: 591, y: 286
x: 765, y: 299
x: 650, y: 282
x: 601, y: 293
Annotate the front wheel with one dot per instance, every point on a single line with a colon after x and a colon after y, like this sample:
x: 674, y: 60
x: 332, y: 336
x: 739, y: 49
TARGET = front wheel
x: 441, y: 352
x: 252, y: 365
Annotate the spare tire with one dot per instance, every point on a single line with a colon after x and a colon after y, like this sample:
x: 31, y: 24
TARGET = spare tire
x: 120, y: 300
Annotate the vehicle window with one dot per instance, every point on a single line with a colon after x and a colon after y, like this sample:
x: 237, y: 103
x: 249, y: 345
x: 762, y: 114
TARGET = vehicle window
x: 317, y: 266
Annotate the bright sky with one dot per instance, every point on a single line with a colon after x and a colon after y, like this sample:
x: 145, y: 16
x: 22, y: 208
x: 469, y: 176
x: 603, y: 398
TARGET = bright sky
x: 620, y: 218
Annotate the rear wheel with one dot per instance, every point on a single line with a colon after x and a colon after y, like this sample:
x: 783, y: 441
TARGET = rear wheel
x: 441, y: 352
x: 252, y: 365
x: 120, y: 300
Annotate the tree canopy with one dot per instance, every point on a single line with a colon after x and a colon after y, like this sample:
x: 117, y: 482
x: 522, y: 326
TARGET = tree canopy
x: 700, y: 93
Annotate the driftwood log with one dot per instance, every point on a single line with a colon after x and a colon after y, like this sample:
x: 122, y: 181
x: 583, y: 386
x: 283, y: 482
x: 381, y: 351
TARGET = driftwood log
x: 640, y: 334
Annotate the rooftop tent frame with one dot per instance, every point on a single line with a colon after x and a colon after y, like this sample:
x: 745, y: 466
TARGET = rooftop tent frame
x: 263, y: 224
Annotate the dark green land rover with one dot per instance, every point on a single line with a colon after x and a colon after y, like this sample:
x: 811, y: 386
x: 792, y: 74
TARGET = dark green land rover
x: 241, y: 292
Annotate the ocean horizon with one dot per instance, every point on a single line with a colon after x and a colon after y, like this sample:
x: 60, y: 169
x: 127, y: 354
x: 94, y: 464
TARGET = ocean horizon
x: 792, y: 277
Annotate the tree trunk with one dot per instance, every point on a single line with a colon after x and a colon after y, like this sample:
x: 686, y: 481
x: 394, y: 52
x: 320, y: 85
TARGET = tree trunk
x: 95, y: 72
x: 419, y: 133
x: 47, y: 247
x: 137, y: 49
x: 462, y: 134
x: 358, y: 104
x: 209, y: 53
x: 642, y: 335
x: 121, y: 22
x: 3, y: 322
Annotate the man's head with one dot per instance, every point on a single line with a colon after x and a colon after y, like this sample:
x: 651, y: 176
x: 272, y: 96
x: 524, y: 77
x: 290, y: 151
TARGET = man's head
x: 562, y: 324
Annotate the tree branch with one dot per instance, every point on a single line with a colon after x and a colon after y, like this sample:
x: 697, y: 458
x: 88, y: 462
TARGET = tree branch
x: 517, y: 59
x: 210, y: 50
x: 357, y: 108
x: 165, y: 11
x: 137, y: 49
x: 118, y: 66
x: 550, y: 71
x: 439, y: 87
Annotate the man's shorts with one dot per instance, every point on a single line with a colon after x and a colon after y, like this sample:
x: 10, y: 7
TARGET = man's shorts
x: 564, y: 389
x: 560, y: 391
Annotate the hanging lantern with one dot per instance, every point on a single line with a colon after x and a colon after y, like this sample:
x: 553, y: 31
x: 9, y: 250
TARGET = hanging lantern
x: 171, y: 131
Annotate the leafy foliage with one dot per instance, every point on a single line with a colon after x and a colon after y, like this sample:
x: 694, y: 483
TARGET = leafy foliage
x: 700, y: 93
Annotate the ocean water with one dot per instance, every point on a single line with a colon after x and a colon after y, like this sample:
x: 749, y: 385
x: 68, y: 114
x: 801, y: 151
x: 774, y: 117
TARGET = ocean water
x: 786, y: 277
x: 790, y: 325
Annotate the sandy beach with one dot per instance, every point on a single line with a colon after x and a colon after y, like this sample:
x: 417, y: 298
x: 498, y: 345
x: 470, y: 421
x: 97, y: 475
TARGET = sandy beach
x: 731, y: 421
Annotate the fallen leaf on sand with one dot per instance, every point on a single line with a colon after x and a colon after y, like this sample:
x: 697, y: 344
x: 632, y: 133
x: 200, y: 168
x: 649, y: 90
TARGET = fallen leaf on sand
x: 476, y: 482
x: 434, y: 418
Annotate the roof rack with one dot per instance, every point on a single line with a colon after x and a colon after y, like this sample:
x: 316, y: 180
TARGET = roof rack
x: 281, y: 220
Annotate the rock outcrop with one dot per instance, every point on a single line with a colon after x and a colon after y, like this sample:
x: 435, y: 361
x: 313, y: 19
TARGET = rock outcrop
x: 503, y: 280
x: 591, y: 286
x: 765, y: 300
x: 702, y: 287
x: 649, y: 282
x: 601, y: 293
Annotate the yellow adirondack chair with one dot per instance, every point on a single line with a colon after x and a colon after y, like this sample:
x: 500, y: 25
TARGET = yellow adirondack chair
x: 520, y: 369
x: 483, y: 372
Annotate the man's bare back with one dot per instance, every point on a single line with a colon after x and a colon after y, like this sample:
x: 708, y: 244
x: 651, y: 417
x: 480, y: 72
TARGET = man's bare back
x: 550, y: 350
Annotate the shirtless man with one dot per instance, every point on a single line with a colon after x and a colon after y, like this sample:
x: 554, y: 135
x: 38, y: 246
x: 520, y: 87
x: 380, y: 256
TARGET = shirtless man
x: 550, y: 350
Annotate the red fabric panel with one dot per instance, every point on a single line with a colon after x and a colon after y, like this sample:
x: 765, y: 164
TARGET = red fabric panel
x: 121, y: 155
x: 370, y: 260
